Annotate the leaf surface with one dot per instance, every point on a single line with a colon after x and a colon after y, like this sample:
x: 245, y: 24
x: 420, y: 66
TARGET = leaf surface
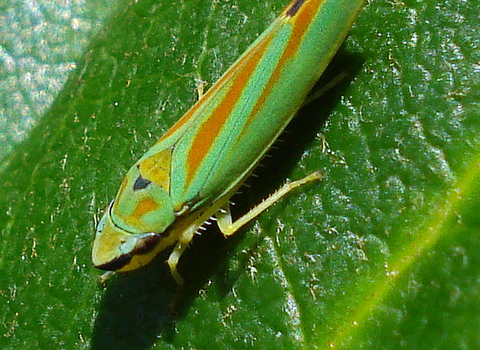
x: 381, y: 254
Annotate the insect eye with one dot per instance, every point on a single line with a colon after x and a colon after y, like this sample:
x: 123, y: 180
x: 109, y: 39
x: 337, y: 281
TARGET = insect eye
x: 141, y: 183
x: 146, y: 243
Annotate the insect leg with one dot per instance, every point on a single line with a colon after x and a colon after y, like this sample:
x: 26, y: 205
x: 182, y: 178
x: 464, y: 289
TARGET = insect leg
x: 228, y: 228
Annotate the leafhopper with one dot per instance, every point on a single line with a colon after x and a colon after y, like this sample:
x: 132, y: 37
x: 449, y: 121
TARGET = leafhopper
x: 189, y: 175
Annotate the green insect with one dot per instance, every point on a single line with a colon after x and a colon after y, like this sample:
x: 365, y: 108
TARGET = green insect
x: 189, y: 175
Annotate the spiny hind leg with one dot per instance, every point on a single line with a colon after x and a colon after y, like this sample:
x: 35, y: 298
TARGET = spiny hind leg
x: 224, y: 217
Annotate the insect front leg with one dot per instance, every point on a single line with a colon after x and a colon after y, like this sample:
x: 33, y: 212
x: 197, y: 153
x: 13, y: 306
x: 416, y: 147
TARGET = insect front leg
x: 183, y: 241
x: 173, y: 261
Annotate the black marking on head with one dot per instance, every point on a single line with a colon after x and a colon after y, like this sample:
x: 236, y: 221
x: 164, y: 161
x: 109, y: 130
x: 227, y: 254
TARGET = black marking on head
x: 295, y: 7
x: 116, y: 264
x: 146, y: 243
x: 141, y: 183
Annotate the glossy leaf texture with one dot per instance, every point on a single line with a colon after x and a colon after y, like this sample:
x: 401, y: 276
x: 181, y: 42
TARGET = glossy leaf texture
x: 40, y: 44
x: 381, y: 254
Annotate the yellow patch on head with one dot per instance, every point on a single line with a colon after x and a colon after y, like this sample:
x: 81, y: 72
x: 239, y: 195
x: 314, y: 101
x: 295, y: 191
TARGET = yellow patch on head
x: 156, y: 168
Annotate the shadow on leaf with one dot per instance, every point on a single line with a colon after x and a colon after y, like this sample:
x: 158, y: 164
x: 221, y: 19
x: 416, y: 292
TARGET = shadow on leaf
x: 140, y: 308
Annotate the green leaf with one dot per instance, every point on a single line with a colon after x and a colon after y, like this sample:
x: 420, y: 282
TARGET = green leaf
x: 381, y: 254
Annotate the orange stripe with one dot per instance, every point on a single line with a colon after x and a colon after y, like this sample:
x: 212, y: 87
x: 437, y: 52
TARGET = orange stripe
x: 208, y: 131
x: 300, y: 22
x: 144, y: 206
x: 192, y: 111
x: 291, y: 11
x: 210, y: 128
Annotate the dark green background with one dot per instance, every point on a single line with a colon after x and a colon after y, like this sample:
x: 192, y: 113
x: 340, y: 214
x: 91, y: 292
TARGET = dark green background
x: 382, y: 254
